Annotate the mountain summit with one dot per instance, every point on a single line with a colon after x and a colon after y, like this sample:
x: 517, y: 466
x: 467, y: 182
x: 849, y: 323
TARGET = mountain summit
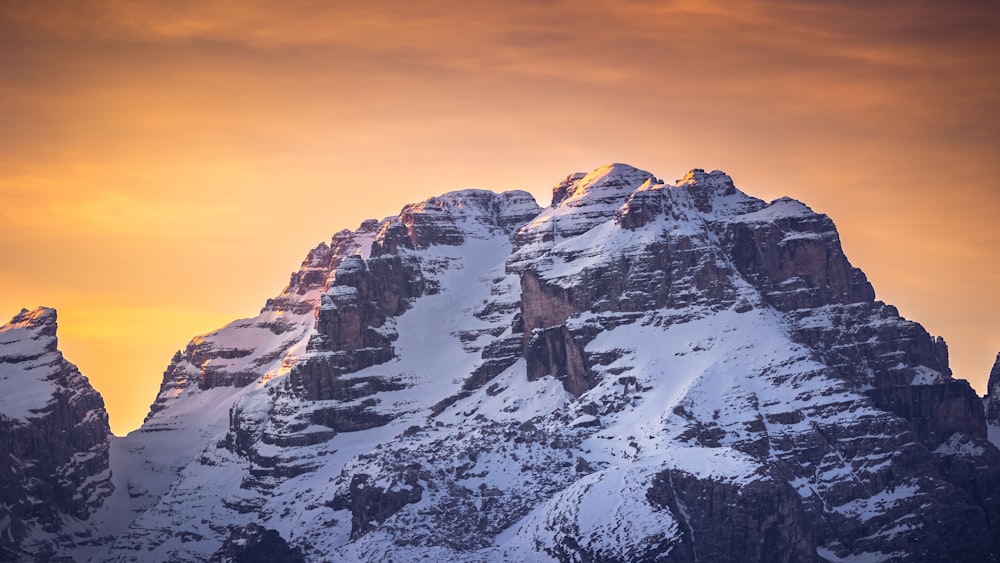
x: 641, y: 371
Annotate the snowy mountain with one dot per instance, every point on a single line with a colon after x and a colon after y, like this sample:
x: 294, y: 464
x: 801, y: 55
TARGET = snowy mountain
x: 54, y: 441
x: 640, y: 371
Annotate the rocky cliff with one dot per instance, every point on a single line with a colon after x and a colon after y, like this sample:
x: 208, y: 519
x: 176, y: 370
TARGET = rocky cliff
x: 991, y: 402
x: 640, y: 371
x: 54, y: 442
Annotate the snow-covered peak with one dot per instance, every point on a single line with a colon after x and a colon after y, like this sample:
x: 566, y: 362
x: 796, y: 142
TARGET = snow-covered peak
x: 42, y: 319
x: 28, y: 359
x: 450, y: 218
x: 478, y: 198
x: 698, y: 177
x: 613, y: 181
x: 580, y: 203
x: 482, y: 205
x: 782, y: 208
x: 715, y: 195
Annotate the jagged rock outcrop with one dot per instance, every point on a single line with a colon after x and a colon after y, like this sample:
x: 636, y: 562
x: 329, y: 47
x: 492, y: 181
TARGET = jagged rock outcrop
x: 641, y: 371
x: 267, y: 345
x: 793, y: 257
x: 254, y: 544
x: 351, y: 324
x: 993, y: 395
x: 54, y: 438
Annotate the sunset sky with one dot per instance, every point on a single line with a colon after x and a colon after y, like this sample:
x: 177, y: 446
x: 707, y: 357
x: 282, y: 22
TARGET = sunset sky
x: 165, y: 165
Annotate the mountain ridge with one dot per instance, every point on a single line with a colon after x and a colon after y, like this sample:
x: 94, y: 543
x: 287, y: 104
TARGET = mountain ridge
x: 478, y: 378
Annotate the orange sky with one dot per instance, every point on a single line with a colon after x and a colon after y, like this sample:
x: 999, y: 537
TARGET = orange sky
x: 164, y: 166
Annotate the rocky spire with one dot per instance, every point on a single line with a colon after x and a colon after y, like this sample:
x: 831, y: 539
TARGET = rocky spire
x: 993, y: 394
x: 54, y: 440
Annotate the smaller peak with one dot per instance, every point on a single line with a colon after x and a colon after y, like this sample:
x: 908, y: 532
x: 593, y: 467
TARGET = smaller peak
x: 477, y: 196
x: 618, y: 170
x: 516, y: 195
x: 615, y: 180
x: 791, y: 205
x: 698, y: 176
x: 619, y: 167
x: 477, y: 203
x: 458, y: 196
x: 781, y: 208
x: 456, y: 199
x: 368, y: 226
x: 39, y: 317
x: 37, y: 322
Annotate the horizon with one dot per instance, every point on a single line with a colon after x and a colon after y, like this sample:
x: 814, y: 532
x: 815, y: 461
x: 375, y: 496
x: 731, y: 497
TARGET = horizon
x: 165, y: 169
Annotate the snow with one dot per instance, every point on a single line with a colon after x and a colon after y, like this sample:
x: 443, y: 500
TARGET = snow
x: 783, y: 208
x: 689, y: 362
x: 421, y: 352
x: 606, y: 512
x: 880, y: 503
x: 145, y: 463
x: 530, y: 400
x: 926, y: 376
x: 584, y: 420
x: 23, y: 391
x: 613, y: 181
x: 867, y: 557
x: 27, y: 361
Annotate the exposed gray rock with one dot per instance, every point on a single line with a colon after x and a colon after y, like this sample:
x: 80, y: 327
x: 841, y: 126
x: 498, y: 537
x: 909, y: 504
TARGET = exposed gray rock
x: 254, y: 544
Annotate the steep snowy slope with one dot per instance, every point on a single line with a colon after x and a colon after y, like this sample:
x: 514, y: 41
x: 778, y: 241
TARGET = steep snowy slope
x: 641, y: 370
x: 54, y: 437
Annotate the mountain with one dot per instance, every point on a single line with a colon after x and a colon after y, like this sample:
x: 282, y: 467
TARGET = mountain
x: 640, y: 371
x: 54, y: 442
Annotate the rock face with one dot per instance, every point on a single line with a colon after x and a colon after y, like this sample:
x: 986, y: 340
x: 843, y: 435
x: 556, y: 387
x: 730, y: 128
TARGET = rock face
x: 248, y: 350
x: 993, y: 395
x: 641, y: 371
x: 54, y: 440
x: 254, y: 544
